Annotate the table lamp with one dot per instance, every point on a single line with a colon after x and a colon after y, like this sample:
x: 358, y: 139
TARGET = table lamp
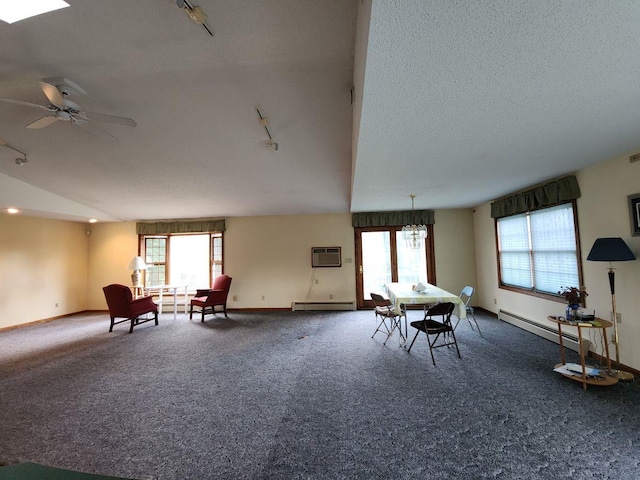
x: 613, y: 250
x: 136, y: 264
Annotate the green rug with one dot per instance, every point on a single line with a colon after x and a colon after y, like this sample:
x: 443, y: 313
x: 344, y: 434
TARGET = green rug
x: 33, y: 471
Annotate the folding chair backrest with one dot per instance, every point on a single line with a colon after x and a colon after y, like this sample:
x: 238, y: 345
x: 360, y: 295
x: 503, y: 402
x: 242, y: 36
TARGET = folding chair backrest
x: 441, y: 309
x: 468, y: 293
x: 379, y: 300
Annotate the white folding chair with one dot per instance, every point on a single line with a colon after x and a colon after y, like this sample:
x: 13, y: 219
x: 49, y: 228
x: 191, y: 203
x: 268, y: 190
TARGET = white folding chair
x: 465, y: 296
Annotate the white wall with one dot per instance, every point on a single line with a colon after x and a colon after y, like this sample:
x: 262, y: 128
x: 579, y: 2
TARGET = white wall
x: 266, y: 256
x: 602, y: 212
x: 111, y: 247
x: 454, y: 250
x: 43, y: 268
x: 271, y: 256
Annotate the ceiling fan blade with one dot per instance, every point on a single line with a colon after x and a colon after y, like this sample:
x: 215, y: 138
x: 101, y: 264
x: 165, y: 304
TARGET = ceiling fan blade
x: 96, y: 131
x: 52, y: 93
x: 43, y: 122
x: 101, y: 117
x: 26, y: 104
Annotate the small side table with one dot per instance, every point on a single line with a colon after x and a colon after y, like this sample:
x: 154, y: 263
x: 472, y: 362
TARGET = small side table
x: 602, y: 378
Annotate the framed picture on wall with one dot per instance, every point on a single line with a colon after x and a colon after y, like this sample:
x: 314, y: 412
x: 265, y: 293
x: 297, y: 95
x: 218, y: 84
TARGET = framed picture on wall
x: 634, y: 212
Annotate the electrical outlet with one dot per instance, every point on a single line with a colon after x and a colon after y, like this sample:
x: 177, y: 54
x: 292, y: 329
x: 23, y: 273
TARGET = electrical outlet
x: 331, y: 297
x: 495, y: 301
x: 235, y: 298
x: 56, y: 305
x: 316, y: 281
x: 618, y: 317
x: 262, y: 297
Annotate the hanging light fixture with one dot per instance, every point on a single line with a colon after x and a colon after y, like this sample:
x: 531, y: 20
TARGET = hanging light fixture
x: 414, y: 234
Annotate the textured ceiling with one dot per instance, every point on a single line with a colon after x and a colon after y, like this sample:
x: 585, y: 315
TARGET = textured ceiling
x: 466, y: 101
x: 457, y: 102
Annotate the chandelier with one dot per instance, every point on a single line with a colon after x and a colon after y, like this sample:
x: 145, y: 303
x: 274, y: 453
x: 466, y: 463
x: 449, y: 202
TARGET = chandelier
x: 414, y: 234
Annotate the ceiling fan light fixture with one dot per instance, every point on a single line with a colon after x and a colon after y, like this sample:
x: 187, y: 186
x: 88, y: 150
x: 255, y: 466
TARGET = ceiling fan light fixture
x: 14, y: 11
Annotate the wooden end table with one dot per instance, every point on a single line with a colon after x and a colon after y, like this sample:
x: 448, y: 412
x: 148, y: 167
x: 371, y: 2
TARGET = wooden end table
x: 603, y: 378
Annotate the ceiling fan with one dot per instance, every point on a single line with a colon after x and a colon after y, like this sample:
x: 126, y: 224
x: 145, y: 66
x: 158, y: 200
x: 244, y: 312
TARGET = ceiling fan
x: 60, y: 108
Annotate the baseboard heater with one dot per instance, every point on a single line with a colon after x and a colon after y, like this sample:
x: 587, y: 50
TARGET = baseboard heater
x: 312, y: 306
x: 550, y: 333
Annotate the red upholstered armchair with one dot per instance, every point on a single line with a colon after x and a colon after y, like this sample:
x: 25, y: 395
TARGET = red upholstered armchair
x: 122, y: 305
x: 208, y: 300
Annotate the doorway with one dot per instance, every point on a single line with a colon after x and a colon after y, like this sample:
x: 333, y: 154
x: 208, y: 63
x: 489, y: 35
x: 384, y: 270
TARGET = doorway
x: 383, y: 256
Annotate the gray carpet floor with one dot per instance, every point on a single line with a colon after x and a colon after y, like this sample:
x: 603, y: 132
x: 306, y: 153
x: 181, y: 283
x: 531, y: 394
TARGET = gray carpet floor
x: 304, y: 395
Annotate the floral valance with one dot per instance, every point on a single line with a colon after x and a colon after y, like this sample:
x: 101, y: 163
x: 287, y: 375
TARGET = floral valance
x: 181, y: 226
x: 551, y: 193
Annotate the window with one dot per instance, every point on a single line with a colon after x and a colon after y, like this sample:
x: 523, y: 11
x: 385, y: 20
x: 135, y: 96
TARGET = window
x: 538, y: 250
x: 188, y: 259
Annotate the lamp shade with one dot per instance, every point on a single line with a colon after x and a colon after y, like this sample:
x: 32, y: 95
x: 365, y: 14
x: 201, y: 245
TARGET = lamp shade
x: 136, y: 263
x: 611, y: 249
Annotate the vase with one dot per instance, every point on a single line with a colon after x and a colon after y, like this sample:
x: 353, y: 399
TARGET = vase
x: 572, y: 311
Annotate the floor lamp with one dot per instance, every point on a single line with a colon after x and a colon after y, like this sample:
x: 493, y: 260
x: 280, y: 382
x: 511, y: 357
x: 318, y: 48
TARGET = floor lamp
x: 613, y: 250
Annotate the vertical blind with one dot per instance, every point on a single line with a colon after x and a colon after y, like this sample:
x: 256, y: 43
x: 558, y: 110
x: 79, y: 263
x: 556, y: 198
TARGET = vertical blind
x: 538, y: 249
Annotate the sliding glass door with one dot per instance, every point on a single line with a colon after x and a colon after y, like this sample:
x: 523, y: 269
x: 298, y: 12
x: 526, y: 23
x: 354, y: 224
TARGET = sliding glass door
x: 383, y: 256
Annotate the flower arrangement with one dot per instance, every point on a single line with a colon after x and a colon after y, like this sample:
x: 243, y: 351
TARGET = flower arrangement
x: 573, y: 295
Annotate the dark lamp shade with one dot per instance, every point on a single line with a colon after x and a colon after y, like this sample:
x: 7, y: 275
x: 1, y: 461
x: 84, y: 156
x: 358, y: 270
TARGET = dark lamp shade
x: 611, y: 249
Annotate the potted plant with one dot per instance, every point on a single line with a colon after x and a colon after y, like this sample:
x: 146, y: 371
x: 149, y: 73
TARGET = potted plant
x: 575, y: 297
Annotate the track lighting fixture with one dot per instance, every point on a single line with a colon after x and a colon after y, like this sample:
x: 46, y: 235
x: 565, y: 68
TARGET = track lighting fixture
x: 19, y: 161
x: 263, y: 121
x: 196, y: 14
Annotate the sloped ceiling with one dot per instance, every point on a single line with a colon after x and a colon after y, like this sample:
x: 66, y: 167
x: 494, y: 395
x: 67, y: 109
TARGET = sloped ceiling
x: 457, y: 102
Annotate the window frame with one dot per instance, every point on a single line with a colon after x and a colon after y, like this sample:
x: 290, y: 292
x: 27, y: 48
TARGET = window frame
x: 167, y: 236
x: 533, y: 292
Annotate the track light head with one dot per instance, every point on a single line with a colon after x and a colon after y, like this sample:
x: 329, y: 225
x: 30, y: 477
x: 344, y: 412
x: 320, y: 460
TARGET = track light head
x: 21, y: 161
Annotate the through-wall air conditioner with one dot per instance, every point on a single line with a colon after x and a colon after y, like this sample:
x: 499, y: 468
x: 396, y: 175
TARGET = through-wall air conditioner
x: 326, y: 257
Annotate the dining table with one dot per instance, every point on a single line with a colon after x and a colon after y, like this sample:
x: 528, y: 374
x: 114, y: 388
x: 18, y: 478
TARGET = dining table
x: 402, y: 294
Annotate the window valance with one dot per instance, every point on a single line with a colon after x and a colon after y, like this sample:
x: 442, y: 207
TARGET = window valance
x: 392, y: 219
x: 181, y: 226
x: 551, y: 193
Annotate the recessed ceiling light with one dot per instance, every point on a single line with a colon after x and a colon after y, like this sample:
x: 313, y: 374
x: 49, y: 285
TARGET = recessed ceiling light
x: 14, y: 11
x: 93, y: 220
x: 12, y: 210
